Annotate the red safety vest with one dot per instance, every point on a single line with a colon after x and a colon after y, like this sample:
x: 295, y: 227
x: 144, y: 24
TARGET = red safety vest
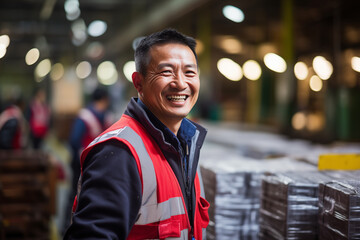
x: 40, y: 118
x: 13, y: 112
x: 163, y: 211
x: 93, y: 125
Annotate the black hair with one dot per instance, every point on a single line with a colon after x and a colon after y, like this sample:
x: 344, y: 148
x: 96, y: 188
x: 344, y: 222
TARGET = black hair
x: 99, y: 94
x: 168, y: 35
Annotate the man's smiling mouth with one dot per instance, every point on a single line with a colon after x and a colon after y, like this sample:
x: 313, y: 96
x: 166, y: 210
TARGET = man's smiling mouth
x: 177, y: 98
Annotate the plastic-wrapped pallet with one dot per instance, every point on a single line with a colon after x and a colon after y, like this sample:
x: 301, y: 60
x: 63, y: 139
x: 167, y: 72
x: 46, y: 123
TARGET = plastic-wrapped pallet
x: 289, y: 205
x: 232, y: 186
x: 339, y: 203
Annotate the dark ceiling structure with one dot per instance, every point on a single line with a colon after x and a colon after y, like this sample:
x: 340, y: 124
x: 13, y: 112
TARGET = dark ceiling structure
x: 305, y: 27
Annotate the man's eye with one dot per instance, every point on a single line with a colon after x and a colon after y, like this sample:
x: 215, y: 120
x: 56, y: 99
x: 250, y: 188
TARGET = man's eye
x: 166, y: 72
x: 190, y: 73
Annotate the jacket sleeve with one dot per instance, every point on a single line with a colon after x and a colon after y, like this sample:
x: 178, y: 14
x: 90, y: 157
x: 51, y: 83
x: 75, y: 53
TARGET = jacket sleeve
x: 110, y: 196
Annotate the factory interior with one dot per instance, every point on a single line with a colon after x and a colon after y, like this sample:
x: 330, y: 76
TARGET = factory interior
x: 279, y: 97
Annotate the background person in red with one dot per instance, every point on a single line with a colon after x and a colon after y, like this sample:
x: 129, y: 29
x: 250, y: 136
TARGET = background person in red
x: 13, y: 126
x: 39, y: 116
x: 90, y: 122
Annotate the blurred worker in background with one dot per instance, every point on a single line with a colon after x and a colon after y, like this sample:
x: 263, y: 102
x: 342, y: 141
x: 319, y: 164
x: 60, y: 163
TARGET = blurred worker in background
x: 13, y: 126
x: 90, y: 122
x: 140, y: 177
x: 38, y: 115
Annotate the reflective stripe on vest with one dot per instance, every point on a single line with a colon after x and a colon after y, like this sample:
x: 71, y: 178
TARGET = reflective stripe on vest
x: 151, y: 211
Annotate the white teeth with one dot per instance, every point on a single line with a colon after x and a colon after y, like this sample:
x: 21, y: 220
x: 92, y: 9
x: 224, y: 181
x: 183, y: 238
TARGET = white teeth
x: 176, y: 98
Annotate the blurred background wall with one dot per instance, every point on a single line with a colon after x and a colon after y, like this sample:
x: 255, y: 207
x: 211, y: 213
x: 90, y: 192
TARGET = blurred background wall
x: 291, y: 65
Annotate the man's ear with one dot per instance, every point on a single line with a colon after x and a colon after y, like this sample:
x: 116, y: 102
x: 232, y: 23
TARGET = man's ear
x: 137, y: 81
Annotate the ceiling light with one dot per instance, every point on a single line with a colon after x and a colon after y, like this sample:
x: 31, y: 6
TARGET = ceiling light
x: 95, y: 50
x: 252, y: 70
x: 230, y: 69
x: 32, y: 56
x: 97, y: 28
x: 322, y: 67
x: 298, y: 121
x: 301, y: 70
x: 275, y: 63
x: 107, y: 73
x: 83, y: 69
x: 79, y: 32
x: 4, y: 43
x: 5, y: 40
x: 355, y: 63
x: 57, y: 72
x: 315, y: 83
x: 74, y: 15
x: 42, y: 69
x: 315, y: 122
x: 233, y: 13
x: 71, y: 6
x: 3, y: 50
x: 229, y: 44
x: 128, y: 70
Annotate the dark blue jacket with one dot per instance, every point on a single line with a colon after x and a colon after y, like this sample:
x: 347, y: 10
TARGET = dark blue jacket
x: 110, y: 196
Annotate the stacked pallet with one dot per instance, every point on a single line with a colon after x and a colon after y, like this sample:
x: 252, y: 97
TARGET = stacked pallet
x: 339, y: 203
x: 289, y: 205
x: 310, y: 205
x: 27, y: 181
x: 233, y: 186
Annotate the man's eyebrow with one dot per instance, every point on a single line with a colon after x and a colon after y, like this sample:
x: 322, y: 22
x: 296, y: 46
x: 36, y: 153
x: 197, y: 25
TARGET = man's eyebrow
x: 162, y: 65
x: 191, y: 65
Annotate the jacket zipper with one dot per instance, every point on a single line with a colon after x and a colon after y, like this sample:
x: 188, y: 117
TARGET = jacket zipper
x: 187, y: 184
x: 188, y: 190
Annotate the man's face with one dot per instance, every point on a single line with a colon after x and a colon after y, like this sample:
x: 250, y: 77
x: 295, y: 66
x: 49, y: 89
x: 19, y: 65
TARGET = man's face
x: 171, y: 85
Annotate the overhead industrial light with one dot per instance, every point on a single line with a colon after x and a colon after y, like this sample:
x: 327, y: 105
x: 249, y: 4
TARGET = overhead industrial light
x: 298, y: 121
x: 275, y: 63
x: 252, y: 70
x: 32, y: 56
x: 97, y: 28
x: 78, y: 29
x: 301, y: 70
x: 5, y: 40
x: 3, y: 50
x: 229, y: 44
x: 57, y: 72
x: 355, y: 63
x: 230, y: 69
x: 72, y: 9
x: 322, y: 67
x: 107, y: 73
x: 315, y: 83
x: 233, y: 13
x: 4, y: 43
x: 42, y: 69
x: 83, y: 69
x: 128, y: 70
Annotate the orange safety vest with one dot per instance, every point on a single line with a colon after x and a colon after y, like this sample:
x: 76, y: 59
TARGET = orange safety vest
x: 163, y: 211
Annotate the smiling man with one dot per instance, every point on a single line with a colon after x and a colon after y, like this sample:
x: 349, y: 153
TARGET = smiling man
x: 140, y: 177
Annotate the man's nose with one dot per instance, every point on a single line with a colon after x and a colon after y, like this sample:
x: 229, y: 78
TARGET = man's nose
x: 179, y: 82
